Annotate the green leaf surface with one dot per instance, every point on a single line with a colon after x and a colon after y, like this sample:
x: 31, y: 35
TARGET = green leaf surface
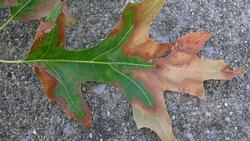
x: 103, y: 63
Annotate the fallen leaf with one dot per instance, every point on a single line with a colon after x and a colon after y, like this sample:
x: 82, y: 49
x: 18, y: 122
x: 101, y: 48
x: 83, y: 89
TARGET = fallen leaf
x: 141, y: 67
x: 26, y: 10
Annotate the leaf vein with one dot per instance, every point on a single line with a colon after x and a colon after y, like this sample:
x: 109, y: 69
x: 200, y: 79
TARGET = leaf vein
x: 110, y: 50
x: 135, y: 83
x: 50, y: 43
x: 60, y: 79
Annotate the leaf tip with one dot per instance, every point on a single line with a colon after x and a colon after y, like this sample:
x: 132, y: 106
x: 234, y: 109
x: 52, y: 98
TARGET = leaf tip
x: 231, y: 73
x: 69, y: 19
x: 193, y: 42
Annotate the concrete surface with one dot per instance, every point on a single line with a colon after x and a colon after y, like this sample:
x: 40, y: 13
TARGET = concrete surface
x: 27, y: 115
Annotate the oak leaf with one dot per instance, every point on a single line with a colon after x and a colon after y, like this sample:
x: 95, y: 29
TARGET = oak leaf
x: 26, y: 10
x: 142, y: 67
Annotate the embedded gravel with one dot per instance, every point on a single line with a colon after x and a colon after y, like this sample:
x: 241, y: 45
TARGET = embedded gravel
x: 27, y: 115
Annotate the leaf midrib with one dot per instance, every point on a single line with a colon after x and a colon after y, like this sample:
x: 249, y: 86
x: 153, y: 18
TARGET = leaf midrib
x: 88, y: 62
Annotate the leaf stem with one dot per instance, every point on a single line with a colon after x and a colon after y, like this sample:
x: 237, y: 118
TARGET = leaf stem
x: 12, y: 17
x: 12, y: 61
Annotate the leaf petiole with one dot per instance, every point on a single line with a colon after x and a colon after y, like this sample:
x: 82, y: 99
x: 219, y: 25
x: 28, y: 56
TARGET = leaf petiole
x: 12, y: 62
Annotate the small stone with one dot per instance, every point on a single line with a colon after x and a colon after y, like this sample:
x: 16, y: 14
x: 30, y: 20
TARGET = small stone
x: 208, y: 114
x: 99, y: 89
x: 13, y: 77
x: 173, y: 117
x: 226, y: 104
x: 227, y: 119
x: 248, y: 87
x: 189, y: 136
x: 90, y: 135
x: 68, y: 130
x: 34, y: 132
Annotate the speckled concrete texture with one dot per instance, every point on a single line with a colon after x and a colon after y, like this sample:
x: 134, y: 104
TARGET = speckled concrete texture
x: 27, y: 115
